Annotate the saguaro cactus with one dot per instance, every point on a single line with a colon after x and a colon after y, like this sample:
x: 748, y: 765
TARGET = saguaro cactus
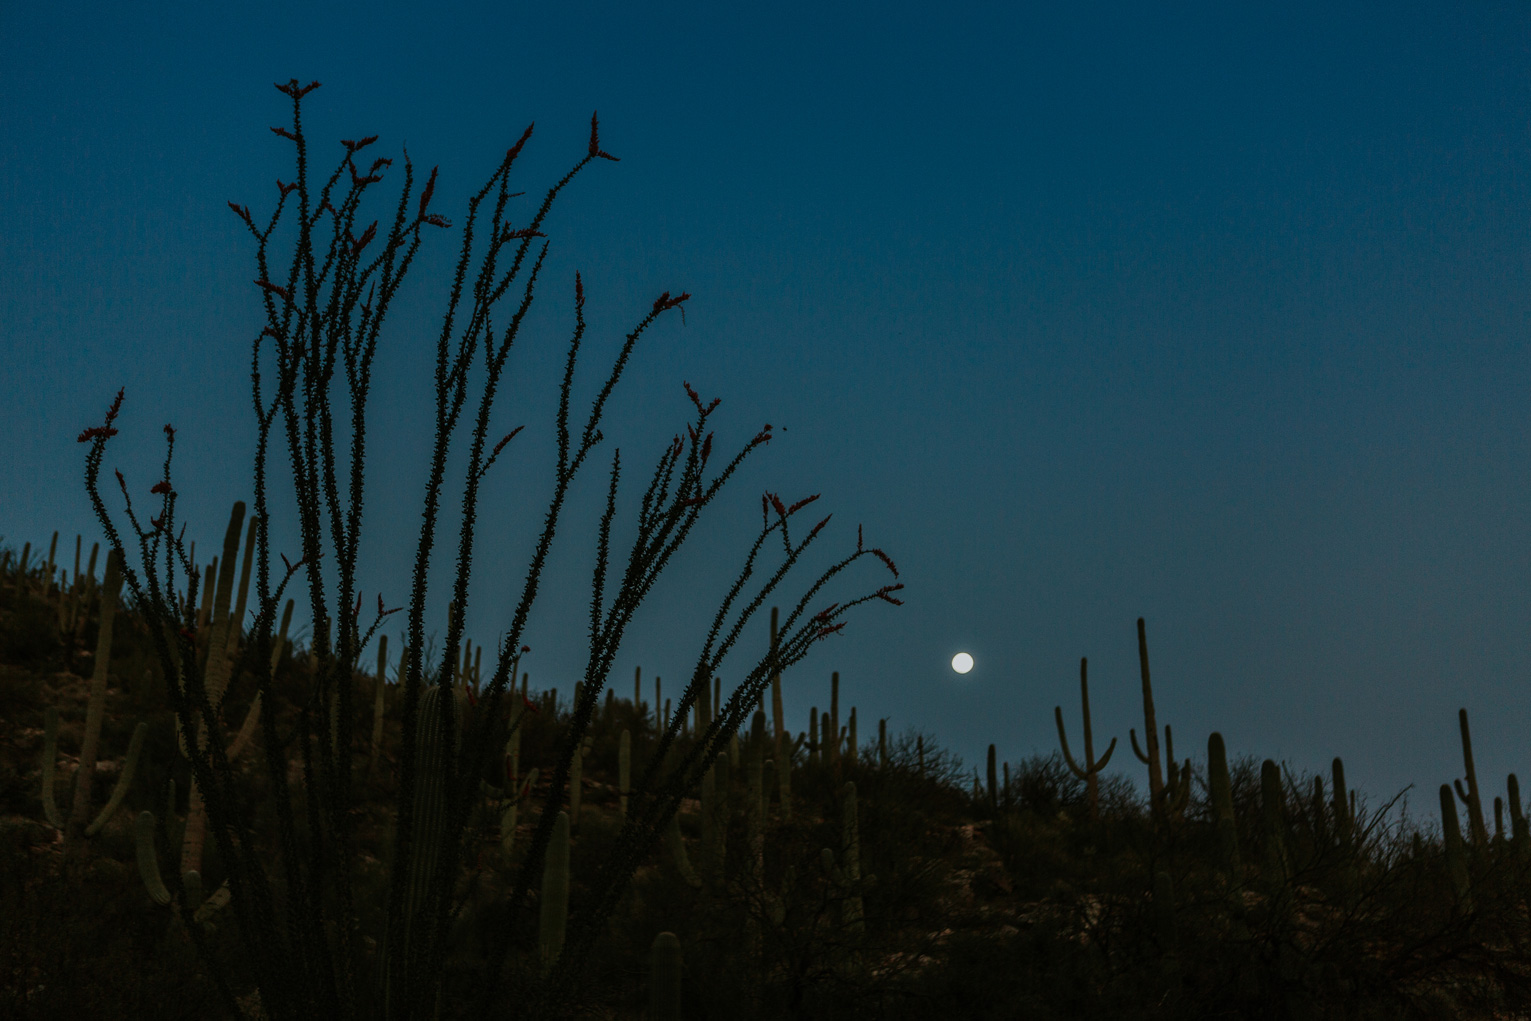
x: 1520, y: 830
x: 1456, y: 857
x: 1222, y: 805
x: 993, y: 782
x: 1273, y: 818
x: 429, y: 821
x: 1090, y: 772
x: 832, y: 741
x: 1158, y: 796
x: 94, y: 713
x: 554, y: 906
x: 624, y: 770
x: 1475, y: 826
x: 215, y: 679
x: 848, y: 876
x: 784, y: 774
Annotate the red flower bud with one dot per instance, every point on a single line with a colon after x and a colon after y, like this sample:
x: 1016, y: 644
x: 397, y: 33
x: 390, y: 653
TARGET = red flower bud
x: 366, y: 238
x: 243, y: 212
x: 801, y: 504
x: 285, y: 188
x: 595, y: 147
x: 285, y: 133
x: 526, y: 648
x: 515, y: 150
x: 161, y: 487
x: 291, y: 88
x: 776, y: 502
x: 273, y: 288
x: 430, y: 187
x: 664, y: 302
x: 880, y: 555
x: 501, y: 445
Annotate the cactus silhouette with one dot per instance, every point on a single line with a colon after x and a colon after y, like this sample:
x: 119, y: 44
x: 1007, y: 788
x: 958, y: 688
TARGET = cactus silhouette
x: 1222, y: 806
x: 1456, y: 854
x: 1090, y: 771
x: 1475, y: 825
x: 1167, y: 796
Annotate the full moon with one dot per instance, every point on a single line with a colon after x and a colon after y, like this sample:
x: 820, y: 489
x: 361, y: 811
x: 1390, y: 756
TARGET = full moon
x: 962, y: 662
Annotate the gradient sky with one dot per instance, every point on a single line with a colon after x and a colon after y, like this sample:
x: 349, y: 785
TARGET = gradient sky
x: 1215, y: 317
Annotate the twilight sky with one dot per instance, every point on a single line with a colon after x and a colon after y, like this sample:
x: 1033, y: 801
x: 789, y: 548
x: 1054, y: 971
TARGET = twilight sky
x: 1214, y: 317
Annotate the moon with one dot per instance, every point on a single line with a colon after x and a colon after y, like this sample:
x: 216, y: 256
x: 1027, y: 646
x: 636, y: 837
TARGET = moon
x: 962, y: 662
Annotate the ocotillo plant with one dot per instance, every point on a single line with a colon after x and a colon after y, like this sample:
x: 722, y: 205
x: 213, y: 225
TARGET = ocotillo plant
x: 304, y: 948
x: 1090, y: 771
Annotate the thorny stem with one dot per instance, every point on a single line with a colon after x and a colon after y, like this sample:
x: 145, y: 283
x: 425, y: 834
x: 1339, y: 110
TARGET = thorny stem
x: 310, y: 960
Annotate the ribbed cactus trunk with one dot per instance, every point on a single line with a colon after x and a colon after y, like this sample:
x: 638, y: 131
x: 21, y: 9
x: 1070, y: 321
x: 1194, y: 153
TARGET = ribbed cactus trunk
x: 1273, y: 819
x: 1230, y: 860
x: 1475, y: 827
x: 1151, y: 728
x: 1090, y: 771
x: 832, y: 740
x: 554, y: 905
x: 1456, y: 854
x: 96, y: 708
x: 215, y: 679
x: 428, y: 830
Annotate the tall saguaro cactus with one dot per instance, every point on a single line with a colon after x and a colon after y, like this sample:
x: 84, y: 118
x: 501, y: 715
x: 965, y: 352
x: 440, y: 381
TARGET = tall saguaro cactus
x: 1475, y: 826
x: 1456, y: 857
x: 94, y: 712
x: 1164, y: 799
x: 1090, y: 772
x: 1222, y: 806
x: 215, y: 679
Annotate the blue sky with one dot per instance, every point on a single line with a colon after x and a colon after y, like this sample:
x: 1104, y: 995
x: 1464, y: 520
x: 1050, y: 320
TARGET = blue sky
x: 1215, y: 317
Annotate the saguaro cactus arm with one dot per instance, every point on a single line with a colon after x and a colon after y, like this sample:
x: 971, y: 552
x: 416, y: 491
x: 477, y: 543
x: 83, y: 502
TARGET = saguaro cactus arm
x: 1091, y: 768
